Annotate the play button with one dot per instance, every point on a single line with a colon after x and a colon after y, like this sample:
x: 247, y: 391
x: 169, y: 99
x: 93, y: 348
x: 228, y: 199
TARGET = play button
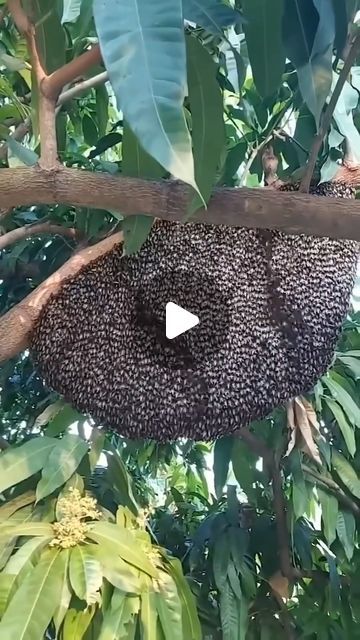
x: 178, y: 320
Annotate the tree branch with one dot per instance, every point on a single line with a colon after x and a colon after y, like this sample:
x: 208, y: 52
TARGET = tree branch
x: 327, y: 117
x: 52, y: 85
x: 34, y: 230
x: 292, y: 212
x: 16, y: 324
x: 330, y: 485
x: 80, y: 87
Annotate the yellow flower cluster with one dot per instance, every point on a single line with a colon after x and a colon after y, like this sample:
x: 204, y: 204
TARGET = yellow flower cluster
x: 143, y: 516
x: 73, y: 508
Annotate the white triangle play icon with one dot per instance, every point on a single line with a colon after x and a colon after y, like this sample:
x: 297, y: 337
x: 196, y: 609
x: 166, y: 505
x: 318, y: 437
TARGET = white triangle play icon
x: 178, y: 320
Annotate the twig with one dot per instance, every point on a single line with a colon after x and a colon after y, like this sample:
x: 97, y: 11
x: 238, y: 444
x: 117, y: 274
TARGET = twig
x: 80, y: 87
x: 327, y: 117
x: 34, y: 230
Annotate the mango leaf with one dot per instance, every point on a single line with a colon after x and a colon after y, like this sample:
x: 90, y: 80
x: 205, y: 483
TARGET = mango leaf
x: 222, y: 457
x: 85, y: 574
x: 63, y: 461
x: 123, y: 543
x: 7, y: 509
x: 149, y: 616
x: 229, y: 613
x: 26, y: 529
x: 121, y: 480
x: 32, y: 606
x: 329, y: 513
x: 264, y: 43
x: 344, y: 399
x: 208, y: 130
x: 71, y: 10
x: 63, y: 418
x: 345, y: 527
x: 221, y: 559
x: 76, y: 623
x: 64, y: 591
x: 27, y: 156
x: 19, y: 463
x: 156, y: 32
x: 212, y: 15
x: 49, y: 34
x: 308, y: 36
x: 137, y: 163
x: 352, y: 363
x: 346, y: 429
x: 190, y: 619
x: 169, y: 609
x: 119, y: 573
x: 346, y: 472
x: 119, y: 616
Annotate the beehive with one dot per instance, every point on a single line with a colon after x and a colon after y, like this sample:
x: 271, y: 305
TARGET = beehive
x: 284, y: 297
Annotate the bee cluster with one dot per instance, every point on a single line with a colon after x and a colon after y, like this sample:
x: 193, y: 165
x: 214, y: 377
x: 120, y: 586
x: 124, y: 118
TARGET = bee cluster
x: 287, y: 298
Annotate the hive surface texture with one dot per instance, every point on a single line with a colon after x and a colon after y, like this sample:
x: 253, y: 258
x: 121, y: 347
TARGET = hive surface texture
x: 270, y: 305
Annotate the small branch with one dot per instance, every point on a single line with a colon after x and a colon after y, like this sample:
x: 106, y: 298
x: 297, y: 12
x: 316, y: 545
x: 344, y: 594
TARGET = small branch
x: 19, y: 16
x: 47, y: 125
x: 16, y: 324
x: 257, y: 445
x: 34, y: 230
x: 327, y: 117
x: 80, y: 87
x: 52, y: 85
x: 19, y: 134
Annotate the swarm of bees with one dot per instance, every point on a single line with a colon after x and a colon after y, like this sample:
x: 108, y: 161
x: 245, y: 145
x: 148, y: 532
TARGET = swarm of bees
x: 286, y: 300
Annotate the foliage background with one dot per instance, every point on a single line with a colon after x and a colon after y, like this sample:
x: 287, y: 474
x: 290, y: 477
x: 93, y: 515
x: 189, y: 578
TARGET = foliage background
x: 259, y: 75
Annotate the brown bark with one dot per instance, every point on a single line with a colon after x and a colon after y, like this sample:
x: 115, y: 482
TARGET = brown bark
x: 16, y: 324
x: 294, y: 213
x: 35, y: 230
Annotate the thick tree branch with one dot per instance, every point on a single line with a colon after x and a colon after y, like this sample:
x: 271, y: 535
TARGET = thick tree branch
x: 16, y: 323
x: 294, y: 213
x: 327, y: 117
x: 35, y: 230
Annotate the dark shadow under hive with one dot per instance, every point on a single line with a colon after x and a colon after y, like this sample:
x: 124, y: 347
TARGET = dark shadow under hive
x: 100, y: 340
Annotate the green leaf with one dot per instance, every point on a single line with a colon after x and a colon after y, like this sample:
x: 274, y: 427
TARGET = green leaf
x: 212, y: 15
x: 222, y: 457
x: 123, y: 543
x: 208, y: 130
x: 49, y: 34
x: 32, y: 607
x: 308, y: 35
x: 346, y: 472
x: 148, y: 616
x: 19, y: 463
x: 26, y: 156
x: 121, y: 481
x: 10, y: 507
x: 169, y: 609
x: 26, y: 529
x: 229, y: 613
x: 344, y: 399
x: 76, y: 623
x: 156, y: 32
x: 345, y: 428
x: 63, y: 461
x: 345, y: 528
x: 71, y: 10
x: 19, y: 564
x: 119, y: 573
x: 135, y: 229
x: 64, y: 591
x: 102, y: 109
x: 62, y: 420
x: 190, y: 619
x: 85, y: 574
x: 264, y: 43
x: 119, y: 617
x: 137, y: 163
x: 329, y: 512
x: 352, y: 363
x: 221, y: 559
